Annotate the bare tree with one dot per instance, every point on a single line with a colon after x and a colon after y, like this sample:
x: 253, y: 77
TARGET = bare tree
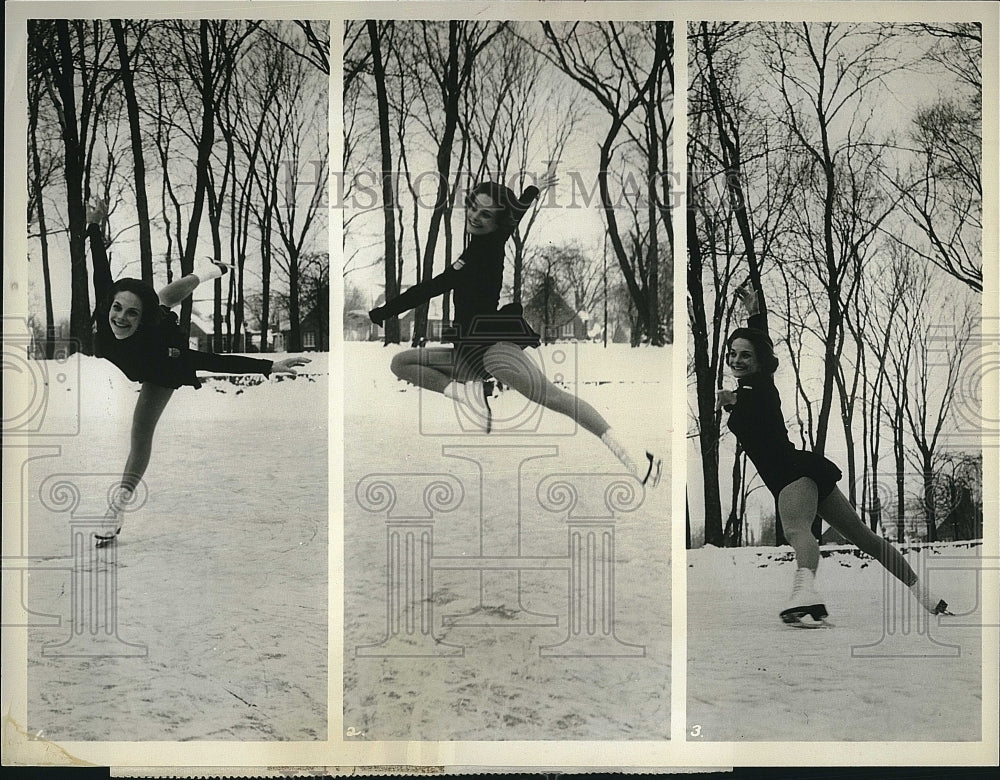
x: 615, y: 65
x: 388, y: 193
x: 44, y: 165
x: 73, y: 63
x: 822, y: 71
x: 740, y: 185
x: 944, y: 198
x: 451, y: 58
x: 298, y: 177
x: 127, y: 60
x: 939, y: 352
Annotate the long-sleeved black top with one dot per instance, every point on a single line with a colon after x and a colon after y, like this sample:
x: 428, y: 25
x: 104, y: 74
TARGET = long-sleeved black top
x: 758, y: 423
x: 476, y: 284
x: 146, y: 355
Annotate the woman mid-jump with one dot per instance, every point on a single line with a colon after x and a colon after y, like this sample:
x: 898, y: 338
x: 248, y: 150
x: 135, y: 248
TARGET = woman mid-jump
x: 489, y: 340
x: 803, y: 483
x: 136, y: 331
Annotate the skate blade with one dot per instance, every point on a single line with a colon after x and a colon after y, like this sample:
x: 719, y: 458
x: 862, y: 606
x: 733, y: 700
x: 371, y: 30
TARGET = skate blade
x: 104, y: 541
x: 805, y: 621
x: 654, y: 472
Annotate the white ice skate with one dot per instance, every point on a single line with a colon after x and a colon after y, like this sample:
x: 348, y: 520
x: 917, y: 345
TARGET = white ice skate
x: 805, y: 606
x: 928, y: 600
x: 647, y: 469
x: 114, y: 518
x: 112, y: 526
x: 214, y: 270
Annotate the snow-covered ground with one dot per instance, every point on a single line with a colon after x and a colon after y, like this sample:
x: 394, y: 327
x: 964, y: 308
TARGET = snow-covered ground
x: 488, y: 673
x: 221, y: 575
x: 886, y: 672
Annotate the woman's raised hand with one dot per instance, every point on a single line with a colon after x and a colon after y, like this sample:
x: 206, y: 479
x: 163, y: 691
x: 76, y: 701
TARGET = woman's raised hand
x: 548, y: 179
x: 287, y: 366
x: 748, y: 297
x: 724, y: 398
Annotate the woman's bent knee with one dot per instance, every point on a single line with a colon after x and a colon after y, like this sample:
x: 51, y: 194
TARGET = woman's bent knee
x: 401, y: 360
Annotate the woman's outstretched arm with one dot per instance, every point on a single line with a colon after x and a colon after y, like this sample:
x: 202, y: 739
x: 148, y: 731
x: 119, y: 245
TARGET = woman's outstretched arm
x: 414, y: 296
x: 97, y: 211
x: 238, y: 364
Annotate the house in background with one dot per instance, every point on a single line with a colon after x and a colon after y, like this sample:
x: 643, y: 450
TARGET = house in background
x: 201, y: 332
x: 553, y: 318
x: 314, y: 329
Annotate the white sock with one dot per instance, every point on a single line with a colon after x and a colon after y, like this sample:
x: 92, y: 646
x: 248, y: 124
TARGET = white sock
x: 928, y: 600
x: 211, y: 271
x: 618, y: 449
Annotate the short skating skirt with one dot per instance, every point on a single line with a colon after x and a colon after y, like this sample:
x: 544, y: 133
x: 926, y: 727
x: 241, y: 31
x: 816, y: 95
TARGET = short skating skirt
x: 507, y: 326
x: 797, y: 464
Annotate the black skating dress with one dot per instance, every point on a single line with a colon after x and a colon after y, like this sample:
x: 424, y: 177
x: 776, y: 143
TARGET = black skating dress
x: 478, y: 324
x: 146, y: 355
x: 758, y: 424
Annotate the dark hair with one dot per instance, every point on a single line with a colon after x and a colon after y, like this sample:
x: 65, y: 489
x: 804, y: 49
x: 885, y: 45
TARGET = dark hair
x: 151, y: 313
x: 511, y: 209
x: 762, y: 346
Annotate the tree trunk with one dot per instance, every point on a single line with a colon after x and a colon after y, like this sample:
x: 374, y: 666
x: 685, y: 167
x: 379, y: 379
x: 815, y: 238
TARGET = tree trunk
x: 708, y: 421
x: 733, y: 173
x: 79, y: 317
x: 214, y: 219
x: 652, y: 215
x: 927, y: 473
x: 451, y: 106
x: 206, y: 140
x: 294, y: 316
x: 388, y: 195
x: 265, y: 275
x: 132, y: 106
x: 898, y: 452
x: 36, y: 167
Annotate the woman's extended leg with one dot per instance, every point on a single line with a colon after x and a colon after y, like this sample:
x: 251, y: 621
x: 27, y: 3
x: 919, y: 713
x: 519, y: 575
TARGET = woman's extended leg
x: 431, y: 368
x: 839, y: 513
x: 510, y: 365
x: 179, y: 289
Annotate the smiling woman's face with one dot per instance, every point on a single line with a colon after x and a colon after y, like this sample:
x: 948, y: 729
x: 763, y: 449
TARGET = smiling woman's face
x: 125, y: 314
x: 742, y: 358
x: 481, y: 215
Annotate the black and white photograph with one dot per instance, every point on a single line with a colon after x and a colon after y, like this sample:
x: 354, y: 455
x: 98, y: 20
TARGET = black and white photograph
x: 508, y: 277
x: 173, y: 534
x: 835, y: 464
x: 423, y: 387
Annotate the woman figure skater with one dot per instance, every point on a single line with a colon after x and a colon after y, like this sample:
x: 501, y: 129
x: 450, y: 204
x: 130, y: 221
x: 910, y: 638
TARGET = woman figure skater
x: 136, y: 331
x: 489, y: 341
x: 803, y: 483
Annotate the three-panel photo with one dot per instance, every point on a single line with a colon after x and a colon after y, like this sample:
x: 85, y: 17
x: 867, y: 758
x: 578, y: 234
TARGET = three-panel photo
x: 577, y: 385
